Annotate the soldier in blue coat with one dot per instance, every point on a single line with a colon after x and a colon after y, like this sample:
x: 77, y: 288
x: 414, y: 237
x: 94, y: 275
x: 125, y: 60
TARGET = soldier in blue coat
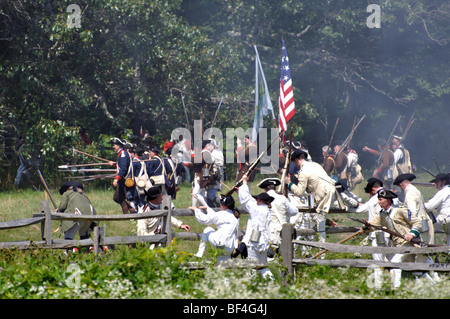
x: 124, y: 171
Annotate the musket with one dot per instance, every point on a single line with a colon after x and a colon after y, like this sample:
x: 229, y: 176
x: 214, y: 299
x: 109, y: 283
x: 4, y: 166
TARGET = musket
x: 80, y: 165
x: 423, y: 184
x: 408, y: 126
x: 414, y: 240
x: 283, y: 188
x: 46, y: 188
x: 388, y: 142
x: 92, y: 177
x: 332, y: 137
x: 87, y: 170
x: 437, y: 166
x: 347, y: 140
x: 428, y: 171
x: 90, y: 155
x: 252, y: 166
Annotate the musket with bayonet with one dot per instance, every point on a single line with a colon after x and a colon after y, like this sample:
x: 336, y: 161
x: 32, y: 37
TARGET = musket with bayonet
x: 391, y: 232
x: 252, y: 167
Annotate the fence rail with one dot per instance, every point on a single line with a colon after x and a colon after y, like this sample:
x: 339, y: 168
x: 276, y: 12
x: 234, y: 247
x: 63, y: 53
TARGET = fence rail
x: 288, y: 260
x: 286, y: 250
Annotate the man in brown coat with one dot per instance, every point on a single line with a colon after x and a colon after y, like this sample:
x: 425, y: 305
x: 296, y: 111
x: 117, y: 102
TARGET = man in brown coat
x: 245, y: 157
x: 313, y: 177
x: 401, y: 221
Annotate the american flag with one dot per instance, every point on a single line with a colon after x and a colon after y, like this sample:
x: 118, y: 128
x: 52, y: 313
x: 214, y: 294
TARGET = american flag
x: 287, y: 105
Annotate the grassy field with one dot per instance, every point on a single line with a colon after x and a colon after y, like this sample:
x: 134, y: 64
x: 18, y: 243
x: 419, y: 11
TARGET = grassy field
x: 128, y: 273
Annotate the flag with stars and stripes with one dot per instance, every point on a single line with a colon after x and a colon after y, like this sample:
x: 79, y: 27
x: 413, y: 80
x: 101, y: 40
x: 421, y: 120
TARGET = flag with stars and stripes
x: 286, y: 103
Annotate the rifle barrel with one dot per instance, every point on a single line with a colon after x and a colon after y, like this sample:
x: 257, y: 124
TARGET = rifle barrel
x: 252, y: 166
x: 46, y: 188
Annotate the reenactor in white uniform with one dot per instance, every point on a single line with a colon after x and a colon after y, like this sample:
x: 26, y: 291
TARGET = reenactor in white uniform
x: 415, y: 203
x: 376, y: 238
x: 281, y: 210
x: 441, y: 202
x: 226, y: 235
x: 257, y: 233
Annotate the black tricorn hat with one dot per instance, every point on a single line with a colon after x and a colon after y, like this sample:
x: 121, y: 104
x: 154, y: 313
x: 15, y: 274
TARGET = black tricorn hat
x: 297, y: 153
x: 118, y: 141
x: 370, y: 182
x: 268, y: 182
x: 65, y: 186
x: 385, y: 193
x: 404, y: 177
x: 155, y: 149
x: 153, y: 192
x: 264, y: 197
x: 227, y: 200
x: 441, y: 177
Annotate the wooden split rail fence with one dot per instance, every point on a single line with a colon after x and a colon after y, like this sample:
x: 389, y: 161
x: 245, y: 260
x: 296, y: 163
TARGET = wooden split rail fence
x: 286, y: 250
x: 289, y: 261
x: 45, y: 216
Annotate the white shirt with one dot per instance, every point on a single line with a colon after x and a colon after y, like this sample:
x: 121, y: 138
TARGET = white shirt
x: 281, y: 212
x: 440, y: 201
x: 259, y: 219
x: 227, y: 226
x: 398, y: 155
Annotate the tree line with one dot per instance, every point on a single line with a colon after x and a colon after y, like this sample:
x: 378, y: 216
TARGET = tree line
x: 157, y: 65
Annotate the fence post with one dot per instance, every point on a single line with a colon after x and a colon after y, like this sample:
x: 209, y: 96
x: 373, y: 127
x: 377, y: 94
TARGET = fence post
x: 167, y: 225
x: 47, y: 231
x: 287, y: 251
x: 99, y: 235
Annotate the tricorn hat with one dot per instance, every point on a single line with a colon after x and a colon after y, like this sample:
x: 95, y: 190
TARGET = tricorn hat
x: 385, y: 193
x: 153, y: 192
x: 297, y: 153
x: 370, y: 182
x: 441, y: 177
x: 118, y: 141
x: 155, y: 149
x: 264, y: 197
x: 268, y: 182
x: 227, y: 201
x: 404, y: 177
x: 65, y: 186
